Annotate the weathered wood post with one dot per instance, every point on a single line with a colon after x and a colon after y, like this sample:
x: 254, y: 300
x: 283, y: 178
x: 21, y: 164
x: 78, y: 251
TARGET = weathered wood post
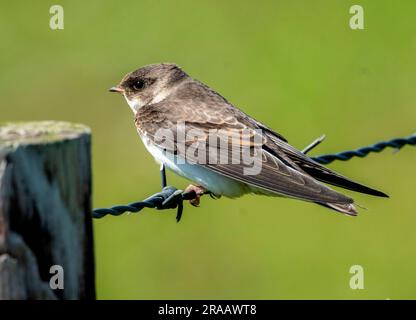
x: 45, y: 211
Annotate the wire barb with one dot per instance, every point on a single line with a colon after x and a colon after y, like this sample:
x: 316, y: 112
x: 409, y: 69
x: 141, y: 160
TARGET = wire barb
x: 171, y: 197
x: 314, y: 144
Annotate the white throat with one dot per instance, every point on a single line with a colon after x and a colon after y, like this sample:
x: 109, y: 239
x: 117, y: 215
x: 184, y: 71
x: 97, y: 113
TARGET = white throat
x: 134, y: 104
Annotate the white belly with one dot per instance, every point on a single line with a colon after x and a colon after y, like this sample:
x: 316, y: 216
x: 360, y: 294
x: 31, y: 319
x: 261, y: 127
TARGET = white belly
x: 210, y: 180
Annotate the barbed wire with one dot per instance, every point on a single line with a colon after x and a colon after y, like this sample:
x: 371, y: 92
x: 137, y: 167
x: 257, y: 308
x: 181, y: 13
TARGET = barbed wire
x: 171, y: 197
x: 397, y: 144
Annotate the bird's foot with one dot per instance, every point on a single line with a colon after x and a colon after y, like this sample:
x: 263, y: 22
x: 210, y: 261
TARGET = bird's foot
x: 197, y: 192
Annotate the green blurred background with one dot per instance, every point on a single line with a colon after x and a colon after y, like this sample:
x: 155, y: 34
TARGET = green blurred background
x: 295, y: 65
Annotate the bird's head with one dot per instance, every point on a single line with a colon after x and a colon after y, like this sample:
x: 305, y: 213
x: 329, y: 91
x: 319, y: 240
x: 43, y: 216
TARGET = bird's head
x: 149, y: 84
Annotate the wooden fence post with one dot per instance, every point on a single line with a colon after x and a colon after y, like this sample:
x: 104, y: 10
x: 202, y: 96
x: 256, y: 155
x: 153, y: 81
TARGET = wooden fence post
x: 45, y: 211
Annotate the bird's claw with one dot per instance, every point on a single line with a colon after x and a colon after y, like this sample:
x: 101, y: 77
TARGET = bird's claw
x: 198, y: 191
x: 213, y: 195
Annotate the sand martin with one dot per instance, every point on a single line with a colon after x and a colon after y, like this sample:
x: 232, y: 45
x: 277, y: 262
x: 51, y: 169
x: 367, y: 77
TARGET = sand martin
x: 163, y: 95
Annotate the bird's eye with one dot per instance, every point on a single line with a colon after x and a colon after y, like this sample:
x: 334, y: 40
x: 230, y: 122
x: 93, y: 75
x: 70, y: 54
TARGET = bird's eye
x: 138, y: 85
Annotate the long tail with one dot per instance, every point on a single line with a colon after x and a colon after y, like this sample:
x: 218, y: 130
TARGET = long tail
x: 297, y: 159
x: 328, y: 176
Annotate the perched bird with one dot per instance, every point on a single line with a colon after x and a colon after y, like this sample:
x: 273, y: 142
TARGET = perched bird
x: 162, y: 95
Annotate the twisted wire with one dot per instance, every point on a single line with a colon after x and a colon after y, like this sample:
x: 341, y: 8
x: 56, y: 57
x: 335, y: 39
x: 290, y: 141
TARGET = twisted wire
x: 397, y: 144
x: 171, y: 198
x: 168, y: 198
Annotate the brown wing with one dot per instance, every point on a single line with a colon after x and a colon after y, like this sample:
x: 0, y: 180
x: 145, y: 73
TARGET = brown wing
x: 299, y: 160
x: 203, y: 110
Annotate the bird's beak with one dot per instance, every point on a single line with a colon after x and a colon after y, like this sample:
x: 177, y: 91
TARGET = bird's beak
x: 116, y: 89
